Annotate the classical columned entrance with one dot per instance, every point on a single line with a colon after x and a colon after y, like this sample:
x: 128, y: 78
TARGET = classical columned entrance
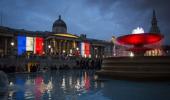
x: 65, y: 44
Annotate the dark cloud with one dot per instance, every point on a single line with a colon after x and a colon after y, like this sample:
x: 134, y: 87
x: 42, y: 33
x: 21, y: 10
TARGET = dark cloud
x: 133, y: 13
x: 97, y: 18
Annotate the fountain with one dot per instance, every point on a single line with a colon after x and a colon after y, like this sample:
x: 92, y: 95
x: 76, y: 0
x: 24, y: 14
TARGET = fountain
x: 137, y: 65
x: 138, y: 39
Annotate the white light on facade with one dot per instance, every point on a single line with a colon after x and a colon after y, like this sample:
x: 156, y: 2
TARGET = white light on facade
x: 82, y: 49
x: 29, y: 44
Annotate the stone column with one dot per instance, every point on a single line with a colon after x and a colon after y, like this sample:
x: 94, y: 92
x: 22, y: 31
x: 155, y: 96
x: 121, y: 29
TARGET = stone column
x: 60, y: 46
x: 46, y: 46
x: 54, y: 49
x: 68, y: 50
x: 64, y: 45
x: 74, y: 44
x: 56, y: 46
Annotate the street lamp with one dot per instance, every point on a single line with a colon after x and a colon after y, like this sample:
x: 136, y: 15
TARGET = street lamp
x: 12, y: 43
x: 49, y: 46
x: 12, y: 47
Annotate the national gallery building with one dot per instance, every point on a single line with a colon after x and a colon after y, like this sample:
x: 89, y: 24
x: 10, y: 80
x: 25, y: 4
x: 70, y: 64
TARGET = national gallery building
x: 56, y: 43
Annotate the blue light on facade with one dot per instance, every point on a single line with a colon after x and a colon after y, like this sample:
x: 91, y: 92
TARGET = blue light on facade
x: 21, y: 44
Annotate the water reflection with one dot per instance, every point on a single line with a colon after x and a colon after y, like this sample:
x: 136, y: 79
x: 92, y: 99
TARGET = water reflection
x: 80, y: 85
x: 49, y: 85
x: 20, y: 84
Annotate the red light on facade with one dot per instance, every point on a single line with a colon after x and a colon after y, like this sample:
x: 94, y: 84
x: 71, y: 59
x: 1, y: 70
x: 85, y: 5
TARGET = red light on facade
x: 39, y: 48
x: 87, y: 49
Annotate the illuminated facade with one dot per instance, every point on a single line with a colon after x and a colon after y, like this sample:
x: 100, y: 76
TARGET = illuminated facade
x: 30, y: 44
x: 21, y: 40
x: 85, y: 49
x: 38, y: 45
x: 56, y: 43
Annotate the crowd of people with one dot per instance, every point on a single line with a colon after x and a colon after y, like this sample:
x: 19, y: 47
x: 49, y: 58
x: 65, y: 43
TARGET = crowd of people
x: 82, y: 63
x: 19, y: 68
x: 64, y: 63
x: 89, y: 63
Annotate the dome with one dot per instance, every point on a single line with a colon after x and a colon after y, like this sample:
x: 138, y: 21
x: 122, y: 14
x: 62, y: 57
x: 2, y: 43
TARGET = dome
x: 59, y: 26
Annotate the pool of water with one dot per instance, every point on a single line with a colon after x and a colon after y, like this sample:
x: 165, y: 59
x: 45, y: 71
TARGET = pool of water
x: 81, y: 85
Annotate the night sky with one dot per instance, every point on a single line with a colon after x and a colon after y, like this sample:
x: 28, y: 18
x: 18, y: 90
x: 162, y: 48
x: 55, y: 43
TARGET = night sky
x: 100, y: 19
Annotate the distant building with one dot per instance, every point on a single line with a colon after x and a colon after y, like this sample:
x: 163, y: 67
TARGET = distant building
x: 56, y: 43
x: 157, y: 47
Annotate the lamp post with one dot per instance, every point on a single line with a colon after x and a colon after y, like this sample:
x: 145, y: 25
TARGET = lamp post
x: 77, y: 51
x: 49, y: 47
x: 12, y: 47
x: 12, y: 44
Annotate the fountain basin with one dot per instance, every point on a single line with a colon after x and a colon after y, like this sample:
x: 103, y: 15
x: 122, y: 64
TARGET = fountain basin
x: 139, y: 39
x: 140, y: 67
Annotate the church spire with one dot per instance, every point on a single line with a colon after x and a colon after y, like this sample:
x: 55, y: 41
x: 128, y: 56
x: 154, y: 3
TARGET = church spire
x: 154, y: 28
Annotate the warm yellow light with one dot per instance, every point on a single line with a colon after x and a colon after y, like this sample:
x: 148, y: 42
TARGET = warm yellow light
x: 74, y: 44
x: 67, y: 35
